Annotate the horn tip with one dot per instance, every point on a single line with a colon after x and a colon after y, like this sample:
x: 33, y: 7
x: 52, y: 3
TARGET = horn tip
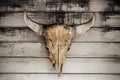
x: 60, y: 74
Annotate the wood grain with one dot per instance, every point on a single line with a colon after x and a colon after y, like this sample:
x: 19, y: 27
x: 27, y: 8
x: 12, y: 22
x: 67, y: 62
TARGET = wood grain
x: 55, y: 77
x: 27, y: 35
x: 102, y: 19
x: 52, y: 5
x: 71, y: 65
x: 38, y: 50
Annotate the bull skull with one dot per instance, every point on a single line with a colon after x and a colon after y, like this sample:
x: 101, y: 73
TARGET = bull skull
x: 58, y: 38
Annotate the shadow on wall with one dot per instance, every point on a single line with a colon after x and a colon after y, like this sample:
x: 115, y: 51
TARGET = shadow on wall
x: 113, y: 4
x: 15, y: 3
x: 81, y: 3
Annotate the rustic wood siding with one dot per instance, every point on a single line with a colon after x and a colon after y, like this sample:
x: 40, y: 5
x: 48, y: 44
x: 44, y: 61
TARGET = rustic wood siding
x: 94, y: 55
x: 110, y: 19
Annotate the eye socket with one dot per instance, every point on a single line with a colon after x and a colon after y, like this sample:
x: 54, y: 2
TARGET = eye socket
x: 68, y: 49
x: 47, y: 48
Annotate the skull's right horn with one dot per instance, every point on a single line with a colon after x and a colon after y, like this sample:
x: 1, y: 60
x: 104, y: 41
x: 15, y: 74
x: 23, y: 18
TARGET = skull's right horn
x: 85, y: 26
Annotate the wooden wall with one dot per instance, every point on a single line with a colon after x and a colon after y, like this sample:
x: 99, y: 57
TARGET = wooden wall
x: 95, y: 55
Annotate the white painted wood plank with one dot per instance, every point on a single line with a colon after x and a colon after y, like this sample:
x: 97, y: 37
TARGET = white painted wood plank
x: 20, y: 34
x: 76, y: 50
x: 55, y: 77
x: 72, y: 65
x: 99, y: 35
x: 38, y: 5
x: 17, y: 20
x: 27, y: 35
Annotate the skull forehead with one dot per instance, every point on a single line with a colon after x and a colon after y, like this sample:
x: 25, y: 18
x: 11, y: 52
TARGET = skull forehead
x: 58, y: 31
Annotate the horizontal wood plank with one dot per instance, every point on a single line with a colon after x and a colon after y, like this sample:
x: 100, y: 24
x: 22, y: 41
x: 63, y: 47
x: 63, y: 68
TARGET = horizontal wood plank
x: 71, y: 65
x: 27, y: 35
x: 109, y: 50
x: 102, y: 19
x: 55, y: 77
x: 52, y: 5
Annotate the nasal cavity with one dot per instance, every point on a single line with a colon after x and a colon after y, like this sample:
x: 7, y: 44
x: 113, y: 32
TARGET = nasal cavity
x: 59, y: 45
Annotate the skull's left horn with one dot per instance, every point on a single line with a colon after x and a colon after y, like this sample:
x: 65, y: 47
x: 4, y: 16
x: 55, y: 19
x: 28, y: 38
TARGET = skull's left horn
x: 36, y: 27
x: 85, y: 26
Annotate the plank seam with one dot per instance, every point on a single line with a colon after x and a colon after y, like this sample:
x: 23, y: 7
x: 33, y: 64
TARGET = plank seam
x: 53, y: 11
x: 63, y: 73
x: 72, y: 42
x: 118, y: 57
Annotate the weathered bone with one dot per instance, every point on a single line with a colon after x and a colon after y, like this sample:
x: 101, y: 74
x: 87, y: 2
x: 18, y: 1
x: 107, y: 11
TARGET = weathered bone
x: 58, y: 41
x: 58, y: 38
x: 36, y: 27
x: 85, y: 26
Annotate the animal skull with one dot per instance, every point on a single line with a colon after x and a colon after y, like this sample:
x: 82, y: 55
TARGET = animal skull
x: 58, y: 38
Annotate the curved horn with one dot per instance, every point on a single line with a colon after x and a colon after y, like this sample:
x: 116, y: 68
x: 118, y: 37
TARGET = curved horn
x: 86, y: 26
x: 33, y: 25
